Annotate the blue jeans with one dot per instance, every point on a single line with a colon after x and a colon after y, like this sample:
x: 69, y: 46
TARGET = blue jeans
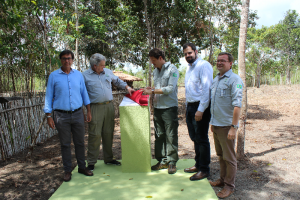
x: 69, y: 125
x: 198, y: 131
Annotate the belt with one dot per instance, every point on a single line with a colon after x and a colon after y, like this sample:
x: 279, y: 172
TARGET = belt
x: 102, y: 103
x: 68, y: 111
x: 193, y: 103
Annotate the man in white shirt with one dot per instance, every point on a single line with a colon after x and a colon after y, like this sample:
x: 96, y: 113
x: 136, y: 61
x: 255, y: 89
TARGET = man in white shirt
x: 198, y: 79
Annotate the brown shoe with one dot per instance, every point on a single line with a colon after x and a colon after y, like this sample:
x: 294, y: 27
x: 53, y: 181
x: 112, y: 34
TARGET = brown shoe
x: 217, y: 183
x: 67, y: 176
x: 198, y: 176
x: 224, y: 193
x: 191, y: 170
x: 159, y: 166
x: 85, y: 172
x: 172, y: 169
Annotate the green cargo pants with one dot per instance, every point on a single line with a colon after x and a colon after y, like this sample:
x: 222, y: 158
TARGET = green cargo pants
x: 166, y: 135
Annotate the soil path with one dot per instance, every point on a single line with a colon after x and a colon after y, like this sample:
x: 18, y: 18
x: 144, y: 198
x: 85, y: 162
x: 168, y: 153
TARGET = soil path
x: 270, y: 171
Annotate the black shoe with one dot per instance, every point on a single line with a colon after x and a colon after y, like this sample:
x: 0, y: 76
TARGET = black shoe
x: 91, y: 167
x: 172, y: 169
x: 159, y: 166
x: 85, y: 172
x: 113, y: 162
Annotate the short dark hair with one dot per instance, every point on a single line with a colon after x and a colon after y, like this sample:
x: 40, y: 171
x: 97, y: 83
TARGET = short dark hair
x: 186, y: 45
x: 66, y: 52
x: 156, y: 53
x: 230, y: 57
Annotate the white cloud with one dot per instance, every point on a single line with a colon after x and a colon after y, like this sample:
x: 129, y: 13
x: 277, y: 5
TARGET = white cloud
x: 270, y: 12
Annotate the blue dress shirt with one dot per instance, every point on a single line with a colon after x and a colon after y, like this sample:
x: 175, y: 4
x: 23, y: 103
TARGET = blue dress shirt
x: 65, y: 91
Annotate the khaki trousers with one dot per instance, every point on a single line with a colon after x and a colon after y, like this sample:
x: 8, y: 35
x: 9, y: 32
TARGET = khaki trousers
x: 101, y: 127
x: 227, y: 158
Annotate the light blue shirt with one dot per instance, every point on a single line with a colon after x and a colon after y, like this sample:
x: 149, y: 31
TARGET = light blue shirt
x: 166, y: 80
x: 226, y: 93
x: 198, y: 79
x: 99, y: 85
x: 65, y: 91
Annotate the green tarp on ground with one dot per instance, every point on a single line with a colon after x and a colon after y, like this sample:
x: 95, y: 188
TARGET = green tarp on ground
x: 110, y: 183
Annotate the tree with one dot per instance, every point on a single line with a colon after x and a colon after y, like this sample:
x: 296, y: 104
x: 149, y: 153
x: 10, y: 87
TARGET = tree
x: 242, y: 74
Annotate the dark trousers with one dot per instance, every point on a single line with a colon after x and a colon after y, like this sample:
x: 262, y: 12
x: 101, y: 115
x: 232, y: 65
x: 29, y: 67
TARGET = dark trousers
x: 166, y: 135
x: 198, y: 131
x: 69, y: 125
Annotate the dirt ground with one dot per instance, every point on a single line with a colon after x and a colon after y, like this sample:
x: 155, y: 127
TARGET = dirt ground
x: 271, y: 169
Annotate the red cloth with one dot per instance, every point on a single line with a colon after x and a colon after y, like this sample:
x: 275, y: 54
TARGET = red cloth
x: 139, y: 98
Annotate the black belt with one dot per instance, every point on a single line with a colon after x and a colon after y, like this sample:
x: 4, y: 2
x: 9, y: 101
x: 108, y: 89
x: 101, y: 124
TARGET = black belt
x: 193, y: 103
x: 68, y: 111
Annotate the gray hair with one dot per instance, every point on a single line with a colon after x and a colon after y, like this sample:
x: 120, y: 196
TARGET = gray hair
x: 96, y: 59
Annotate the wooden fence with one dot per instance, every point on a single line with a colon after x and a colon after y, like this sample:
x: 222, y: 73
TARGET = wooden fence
x: 20, y: 121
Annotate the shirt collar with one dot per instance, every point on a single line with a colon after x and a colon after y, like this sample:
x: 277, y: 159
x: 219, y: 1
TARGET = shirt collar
x: 196, y: 61
x: 228, y: 73
x: 91, y: 71
x: 62, y: 72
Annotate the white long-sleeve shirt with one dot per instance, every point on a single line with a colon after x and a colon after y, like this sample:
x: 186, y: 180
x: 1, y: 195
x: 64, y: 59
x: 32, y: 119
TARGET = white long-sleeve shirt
x: 198, y: 79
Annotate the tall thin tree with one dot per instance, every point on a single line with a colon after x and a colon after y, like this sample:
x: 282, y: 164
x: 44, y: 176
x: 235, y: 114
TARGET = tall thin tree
x: 242, y: 74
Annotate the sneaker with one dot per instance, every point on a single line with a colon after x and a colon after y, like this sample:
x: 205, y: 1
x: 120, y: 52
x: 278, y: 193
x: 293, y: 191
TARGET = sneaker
x: 159, y: 166
x: 91, y: 167
x: 113, y: 162
x: 172, y: 169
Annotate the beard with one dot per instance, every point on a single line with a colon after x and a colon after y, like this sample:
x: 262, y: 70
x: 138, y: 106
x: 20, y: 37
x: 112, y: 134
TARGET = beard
x: 191, y: 59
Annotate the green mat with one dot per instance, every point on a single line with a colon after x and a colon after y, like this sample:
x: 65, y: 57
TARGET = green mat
x: 109, y: 183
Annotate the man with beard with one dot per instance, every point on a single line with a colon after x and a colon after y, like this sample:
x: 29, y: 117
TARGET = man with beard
x: 226, y: 98
x: 165, y: 76
x: 198, y: 79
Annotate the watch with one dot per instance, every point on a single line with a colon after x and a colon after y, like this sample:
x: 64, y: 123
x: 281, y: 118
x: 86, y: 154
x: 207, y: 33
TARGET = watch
x: 48, y: 116
x: 152, y: 91
x: 235, y: 126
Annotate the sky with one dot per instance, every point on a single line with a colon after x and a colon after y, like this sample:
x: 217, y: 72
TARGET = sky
x: 270, y: 12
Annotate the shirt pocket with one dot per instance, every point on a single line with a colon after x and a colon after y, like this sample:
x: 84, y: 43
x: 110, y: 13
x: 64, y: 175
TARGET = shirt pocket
x: 108, y: 83
x: 224, y: 91
x: 91, y: 85
x: 165, y: 80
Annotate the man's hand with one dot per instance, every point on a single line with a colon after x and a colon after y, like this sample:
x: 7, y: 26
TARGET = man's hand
x: 147, y: 90
x: 50, y: 122
x: 198, y: 116
x: 130, y: 90
x: 88, y: 117
x: 212, y: 128
x: 232, y: 133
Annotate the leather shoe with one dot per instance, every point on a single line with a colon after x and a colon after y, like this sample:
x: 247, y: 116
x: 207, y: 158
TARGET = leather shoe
x: 85, y: 172
x: 67, y: 176
x: 191, y: 170
x: 159, y: 166
x: 198, y: 176
x: 224, y: 193
x: 172, y: 169
x: 217, y: 183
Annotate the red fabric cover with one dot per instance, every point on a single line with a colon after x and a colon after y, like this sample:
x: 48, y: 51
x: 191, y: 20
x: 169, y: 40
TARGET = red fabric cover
x: 139, y: 98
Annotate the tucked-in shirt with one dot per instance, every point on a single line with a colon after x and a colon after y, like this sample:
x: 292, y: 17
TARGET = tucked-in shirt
x: 198, y: 79
x: 99, y: 85
x: 226, y: 93
x: 65, y: 91
x: 166, y: 80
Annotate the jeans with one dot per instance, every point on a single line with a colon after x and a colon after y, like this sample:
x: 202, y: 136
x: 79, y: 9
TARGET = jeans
x: 198, y: 131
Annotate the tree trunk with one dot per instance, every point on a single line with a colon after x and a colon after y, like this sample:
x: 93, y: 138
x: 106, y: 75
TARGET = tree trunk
x: 76, y: 43
x: 258, y: 72
x: 242, y: 74
x: 288, y: 73
x: 149, y: 38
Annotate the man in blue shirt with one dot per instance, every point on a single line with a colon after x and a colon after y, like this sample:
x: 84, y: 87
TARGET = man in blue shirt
x: 198, y: 79
x: 65, y: 94
x: 226, y: 103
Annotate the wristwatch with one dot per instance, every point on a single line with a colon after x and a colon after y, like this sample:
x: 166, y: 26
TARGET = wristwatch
x: 235, y: 126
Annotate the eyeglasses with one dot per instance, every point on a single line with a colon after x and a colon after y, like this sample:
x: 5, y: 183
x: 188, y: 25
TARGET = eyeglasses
x: 221, y: 61
x: 64, y: 59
